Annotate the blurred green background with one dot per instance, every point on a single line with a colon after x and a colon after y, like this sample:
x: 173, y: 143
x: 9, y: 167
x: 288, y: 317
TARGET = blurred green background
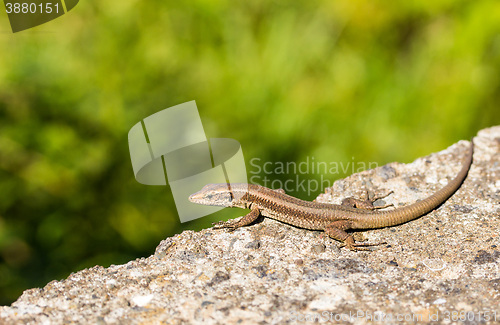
x: 370, y: 81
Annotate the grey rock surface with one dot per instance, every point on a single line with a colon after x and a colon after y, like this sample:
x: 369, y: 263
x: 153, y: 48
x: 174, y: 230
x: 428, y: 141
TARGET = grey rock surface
x: 444, y: 266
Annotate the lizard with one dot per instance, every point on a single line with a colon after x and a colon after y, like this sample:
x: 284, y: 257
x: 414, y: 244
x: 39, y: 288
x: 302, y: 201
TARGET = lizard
x: 333, y: 219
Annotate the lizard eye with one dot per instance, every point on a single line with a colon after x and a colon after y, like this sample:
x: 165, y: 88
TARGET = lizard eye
x: 229, y: 196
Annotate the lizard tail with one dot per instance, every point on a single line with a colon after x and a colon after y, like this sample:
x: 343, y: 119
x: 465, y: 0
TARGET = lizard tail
x: 417, y: 209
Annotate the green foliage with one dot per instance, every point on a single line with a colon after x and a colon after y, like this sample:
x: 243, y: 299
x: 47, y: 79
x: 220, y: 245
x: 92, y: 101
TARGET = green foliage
x: 374, y: 80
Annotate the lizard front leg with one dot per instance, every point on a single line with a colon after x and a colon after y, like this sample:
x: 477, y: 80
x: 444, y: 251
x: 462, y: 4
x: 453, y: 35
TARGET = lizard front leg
x: 245, y: 221
x: 336, y: 230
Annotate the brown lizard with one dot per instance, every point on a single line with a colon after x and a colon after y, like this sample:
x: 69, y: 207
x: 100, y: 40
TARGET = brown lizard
x: 332, y: 218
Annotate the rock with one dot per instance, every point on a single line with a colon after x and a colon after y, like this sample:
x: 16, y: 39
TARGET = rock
x: 443, y: 266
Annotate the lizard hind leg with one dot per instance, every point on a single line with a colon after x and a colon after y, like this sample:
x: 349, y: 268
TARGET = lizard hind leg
x: 366, y: 204
x: 351, y: 244
x: 335, y: 231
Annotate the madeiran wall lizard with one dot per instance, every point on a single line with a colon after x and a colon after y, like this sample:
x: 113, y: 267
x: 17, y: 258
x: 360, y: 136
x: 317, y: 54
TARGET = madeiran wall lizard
x: 332, y: 218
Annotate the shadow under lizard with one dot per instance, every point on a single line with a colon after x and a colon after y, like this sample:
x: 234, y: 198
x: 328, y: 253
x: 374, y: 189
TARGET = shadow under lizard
x: 332, y: 218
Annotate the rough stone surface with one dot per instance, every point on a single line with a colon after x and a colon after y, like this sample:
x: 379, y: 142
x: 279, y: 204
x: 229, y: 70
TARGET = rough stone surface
x: 443, y: 266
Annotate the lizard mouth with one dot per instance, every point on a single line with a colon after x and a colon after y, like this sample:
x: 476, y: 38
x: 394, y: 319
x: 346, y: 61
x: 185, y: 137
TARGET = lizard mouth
x: 212, y: 198
x: 195, y: 197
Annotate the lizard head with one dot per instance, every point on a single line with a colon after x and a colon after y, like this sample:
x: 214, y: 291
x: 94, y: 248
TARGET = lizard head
x: 222, y: 195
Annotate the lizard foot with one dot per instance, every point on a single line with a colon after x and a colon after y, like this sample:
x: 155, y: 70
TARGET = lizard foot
x: 234, y: 224
x: 353, y: 246
x: 231, y: 225
x: 366, y: 204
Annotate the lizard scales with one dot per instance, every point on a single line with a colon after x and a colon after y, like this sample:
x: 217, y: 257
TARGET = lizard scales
x: 332, y: 218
